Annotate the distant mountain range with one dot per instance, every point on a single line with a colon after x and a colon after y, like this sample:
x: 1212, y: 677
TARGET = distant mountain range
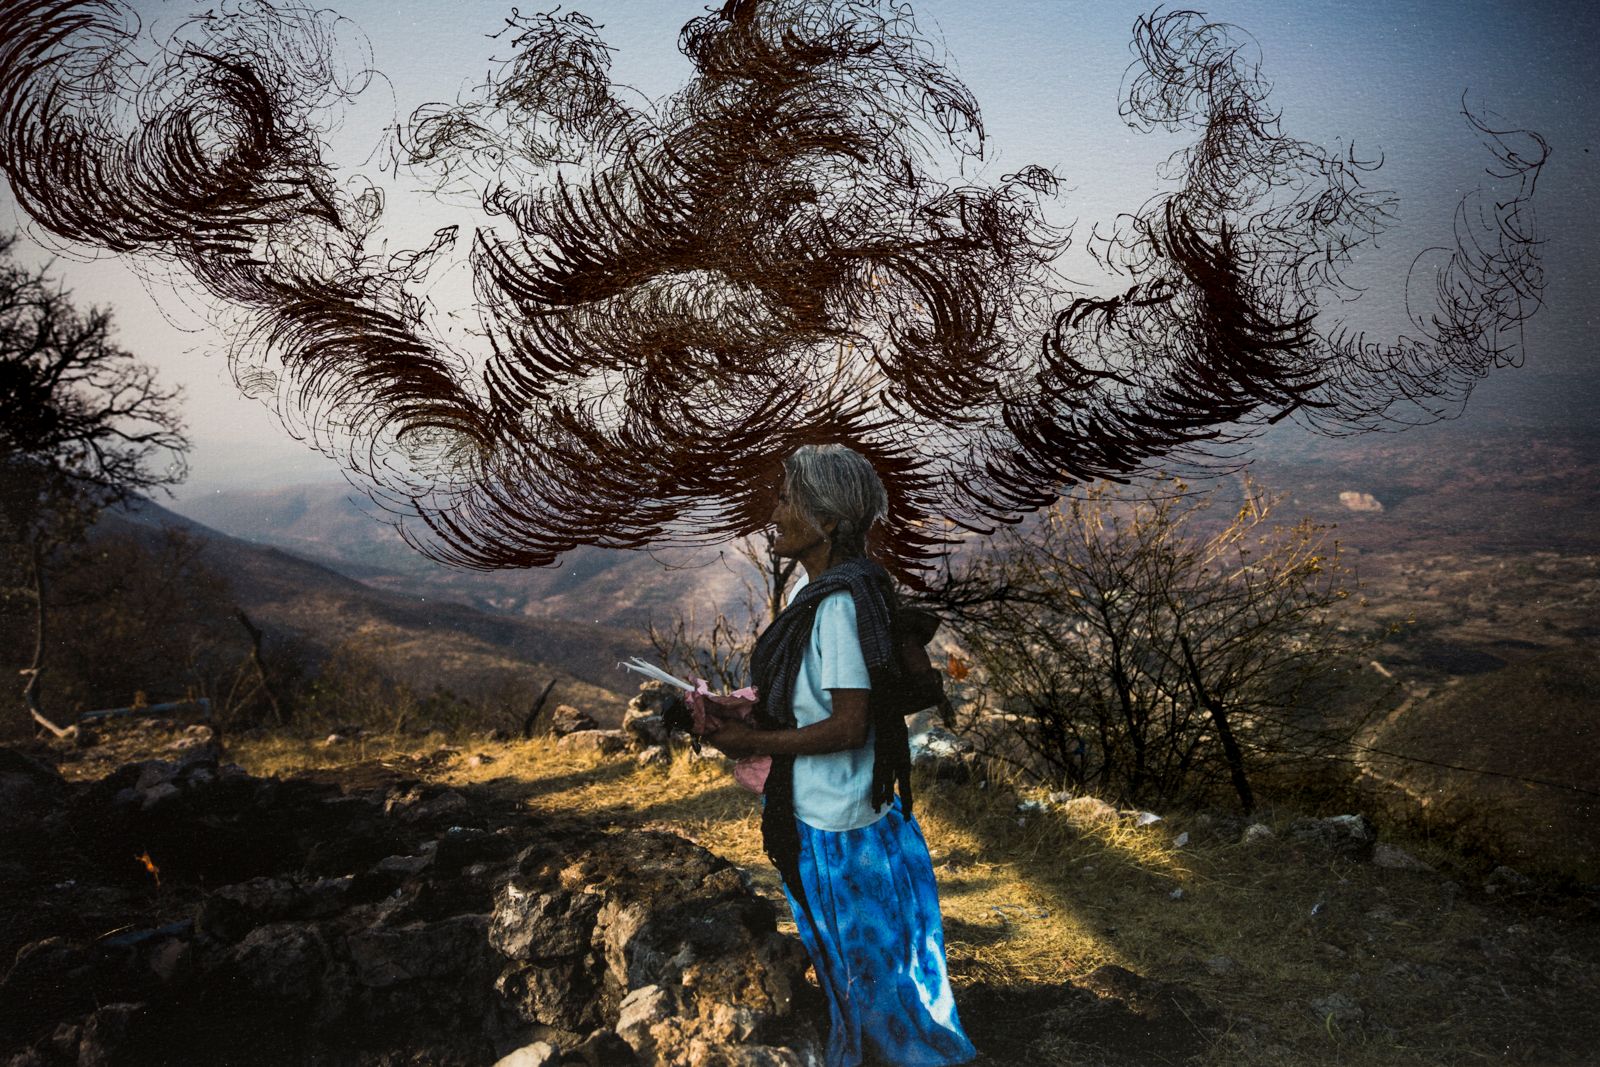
x: 430, y: 639
x: 1440, y: 521
x: 334, y: 525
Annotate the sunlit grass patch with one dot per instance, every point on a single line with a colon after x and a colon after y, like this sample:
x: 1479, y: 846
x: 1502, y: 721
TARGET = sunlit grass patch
x: 1034, y: 898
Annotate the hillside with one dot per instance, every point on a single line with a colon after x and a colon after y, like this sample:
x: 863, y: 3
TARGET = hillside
x: 334, y: 524
x: 429, y: 641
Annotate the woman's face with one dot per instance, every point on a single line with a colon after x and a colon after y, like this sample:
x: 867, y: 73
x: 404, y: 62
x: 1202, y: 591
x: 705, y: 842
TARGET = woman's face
x: 795, y: 535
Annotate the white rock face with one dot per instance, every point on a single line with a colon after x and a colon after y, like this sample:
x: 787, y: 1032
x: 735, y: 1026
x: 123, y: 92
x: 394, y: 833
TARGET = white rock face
x: 1360, y: 501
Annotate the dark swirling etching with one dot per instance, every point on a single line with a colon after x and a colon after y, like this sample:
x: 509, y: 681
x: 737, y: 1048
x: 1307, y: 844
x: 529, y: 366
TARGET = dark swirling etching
x: 672, y: 295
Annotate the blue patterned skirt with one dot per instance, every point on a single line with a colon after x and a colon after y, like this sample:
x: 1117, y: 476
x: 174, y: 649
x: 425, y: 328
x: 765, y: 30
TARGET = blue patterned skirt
x: 877, y: 943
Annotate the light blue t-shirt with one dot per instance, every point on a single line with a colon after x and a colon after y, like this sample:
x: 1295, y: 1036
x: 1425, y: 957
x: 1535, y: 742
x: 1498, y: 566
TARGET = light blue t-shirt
x: 832, y: 791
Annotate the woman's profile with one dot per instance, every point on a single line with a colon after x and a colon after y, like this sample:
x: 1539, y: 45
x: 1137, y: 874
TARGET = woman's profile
x: 838, y: 822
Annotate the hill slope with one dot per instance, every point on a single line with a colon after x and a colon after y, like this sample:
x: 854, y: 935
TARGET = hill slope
x: 432, y: 641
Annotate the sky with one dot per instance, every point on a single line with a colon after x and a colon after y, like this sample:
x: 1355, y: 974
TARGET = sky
x: 1384, y: 77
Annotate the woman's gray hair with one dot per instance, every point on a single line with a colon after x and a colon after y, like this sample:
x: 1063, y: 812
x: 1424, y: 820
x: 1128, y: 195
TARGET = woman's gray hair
x: 836, y: 482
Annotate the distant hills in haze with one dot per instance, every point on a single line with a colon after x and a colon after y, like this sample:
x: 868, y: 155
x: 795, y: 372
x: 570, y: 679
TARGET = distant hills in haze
x: 1486, y: 532
x: 332, y: 524
x: 429, y: 640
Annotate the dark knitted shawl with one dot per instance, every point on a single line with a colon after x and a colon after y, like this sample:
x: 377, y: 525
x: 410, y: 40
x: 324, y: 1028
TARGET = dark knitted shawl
x: 775, y: 665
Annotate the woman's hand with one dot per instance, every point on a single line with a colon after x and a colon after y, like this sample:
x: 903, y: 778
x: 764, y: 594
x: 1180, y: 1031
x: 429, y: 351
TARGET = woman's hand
x: 736, y: 740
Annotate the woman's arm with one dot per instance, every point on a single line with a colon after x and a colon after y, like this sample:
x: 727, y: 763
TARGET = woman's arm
x: 844, y: 729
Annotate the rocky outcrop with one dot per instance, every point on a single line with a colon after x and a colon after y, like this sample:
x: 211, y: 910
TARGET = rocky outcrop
x: 294, y: 921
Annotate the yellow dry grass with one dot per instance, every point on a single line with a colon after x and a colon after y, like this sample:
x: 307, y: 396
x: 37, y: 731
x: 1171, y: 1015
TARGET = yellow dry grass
x: 1031, y: 899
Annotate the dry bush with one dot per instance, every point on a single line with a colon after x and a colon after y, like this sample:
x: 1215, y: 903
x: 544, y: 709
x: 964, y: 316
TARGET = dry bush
x: 1139, y: 647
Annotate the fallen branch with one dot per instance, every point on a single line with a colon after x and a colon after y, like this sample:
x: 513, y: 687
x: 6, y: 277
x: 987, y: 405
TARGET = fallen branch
x: 538, y: 705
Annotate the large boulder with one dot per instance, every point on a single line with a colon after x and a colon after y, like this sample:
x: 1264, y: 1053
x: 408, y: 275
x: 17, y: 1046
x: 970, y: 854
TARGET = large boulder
x: 656, y: 937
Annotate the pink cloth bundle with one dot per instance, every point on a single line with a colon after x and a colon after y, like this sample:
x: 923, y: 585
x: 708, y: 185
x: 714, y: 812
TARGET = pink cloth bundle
x: 709, y: 710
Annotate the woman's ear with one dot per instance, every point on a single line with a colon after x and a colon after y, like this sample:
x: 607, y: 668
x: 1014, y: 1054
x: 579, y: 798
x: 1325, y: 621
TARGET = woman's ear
x: 829, y: 525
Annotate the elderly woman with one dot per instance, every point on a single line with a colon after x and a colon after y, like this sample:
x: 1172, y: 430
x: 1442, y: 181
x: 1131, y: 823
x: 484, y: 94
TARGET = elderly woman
x: 854, y: 863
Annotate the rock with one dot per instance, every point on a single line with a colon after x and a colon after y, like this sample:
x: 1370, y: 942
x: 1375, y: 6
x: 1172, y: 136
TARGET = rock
x: 602, y: 1048
x: 416, y: 806
x: 402, y: 865
x: 654, y: 698
x: 498, y: 735
x: 153, y: 772
x: 542, y: 926
x: 639, y: 1012
x: 65, y: 1041
x: 604, y: 742
x: 1088, y: 810
x: 1345, y: 835
x: 671, y: 940
x: 1341, y: 1008
x: 567, y: 719
x: 479, y: 759
x: 157, y: 794
x: 942, y: 754
x: 654, y: 756
x: 1507, y: 878
x: 559, y: 993
x: 46, y: 980
x: 645, y: 727
x: 538, y: 1054
x: 105, y: 1032
x: 1256, y: 833
x: 167, y: 958
x: 385, y: 956
x: 28, y: 789
x: 1397, y: 859
x: 1355, y: 500
x: 283, y: 963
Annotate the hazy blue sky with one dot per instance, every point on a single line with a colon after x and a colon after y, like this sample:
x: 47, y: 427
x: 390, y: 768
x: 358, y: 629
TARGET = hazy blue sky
x: 1386, y: 76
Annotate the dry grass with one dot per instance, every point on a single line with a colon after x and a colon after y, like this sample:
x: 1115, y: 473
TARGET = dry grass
x: 1442, y: 974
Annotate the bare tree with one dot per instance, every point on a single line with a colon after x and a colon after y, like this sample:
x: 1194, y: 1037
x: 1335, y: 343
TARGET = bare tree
x: 83, y: 425
x: 1143, y: 648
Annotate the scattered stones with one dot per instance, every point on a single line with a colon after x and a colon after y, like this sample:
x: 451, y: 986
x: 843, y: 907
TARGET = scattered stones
x: 654, y: 756
x: 1256, y: 833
